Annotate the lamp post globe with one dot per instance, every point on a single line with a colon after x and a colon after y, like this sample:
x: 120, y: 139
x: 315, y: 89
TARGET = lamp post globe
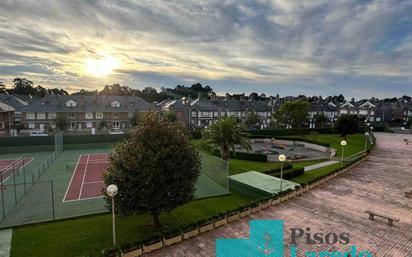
x: 371, y: 128
x: 343, y: 142
x: 112, y: 190
x: 282, y: 157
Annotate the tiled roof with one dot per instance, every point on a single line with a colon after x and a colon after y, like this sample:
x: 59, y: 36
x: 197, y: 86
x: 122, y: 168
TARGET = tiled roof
x: 54, y: 103
x: 12, y: 101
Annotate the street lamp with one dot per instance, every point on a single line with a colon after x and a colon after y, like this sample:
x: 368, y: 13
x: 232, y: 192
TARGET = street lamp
x: 282, y: 159
x: 367, y: 126
x: 366, y: 141
x: 111, y: 191
x: 343, y: 143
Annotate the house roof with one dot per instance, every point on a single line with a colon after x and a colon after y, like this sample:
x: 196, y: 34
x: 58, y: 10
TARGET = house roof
x: 86, y: 103
x: 13, y: 101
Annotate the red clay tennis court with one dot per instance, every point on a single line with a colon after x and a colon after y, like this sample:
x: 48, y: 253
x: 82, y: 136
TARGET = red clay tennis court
x: 86, y: 181
x: 8, y: 166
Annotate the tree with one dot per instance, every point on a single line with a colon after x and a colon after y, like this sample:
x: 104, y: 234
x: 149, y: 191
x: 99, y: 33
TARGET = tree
x: 347, y: 124
x: 224, y: 134
x: 61, y: 123
x: 2, y: 88
x: 155, y: 169
x: 292, y: 113
x: 252, y: 120
x: 134, y: 120
x: 321, y: 120
x: 171, y: 116
x: 23, y: 86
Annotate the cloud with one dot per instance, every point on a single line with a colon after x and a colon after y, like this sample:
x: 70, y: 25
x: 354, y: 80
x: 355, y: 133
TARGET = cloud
x: 314, y: 47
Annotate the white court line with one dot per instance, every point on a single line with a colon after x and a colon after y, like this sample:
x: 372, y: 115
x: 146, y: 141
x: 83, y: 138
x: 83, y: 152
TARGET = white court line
x: 11, y: 164
x: 84, y: 176
x: 25, y: 164
x: 81, y: 199
x: 93, y: 182
x: 70, y: 183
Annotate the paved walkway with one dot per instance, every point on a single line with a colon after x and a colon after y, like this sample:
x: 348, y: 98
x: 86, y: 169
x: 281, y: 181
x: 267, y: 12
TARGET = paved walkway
x: 320, y: 165
x: 338, y: 206
x: 5, y: 242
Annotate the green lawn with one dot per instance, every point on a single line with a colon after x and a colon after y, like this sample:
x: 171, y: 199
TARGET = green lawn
x: 313, y: 174
x: 238, y: 166
x: 356, y: 143
x: 89, y: 235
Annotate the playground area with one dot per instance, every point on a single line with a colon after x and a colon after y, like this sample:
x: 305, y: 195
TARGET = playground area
x: 294, y: 150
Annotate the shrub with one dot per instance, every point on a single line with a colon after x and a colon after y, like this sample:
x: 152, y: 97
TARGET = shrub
x: 288, y: 174
x: 286, y: 166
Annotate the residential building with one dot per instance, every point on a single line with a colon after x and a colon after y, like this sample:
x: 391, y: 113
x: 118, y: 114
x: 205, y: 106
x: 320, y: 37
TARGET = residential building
x: 10, y: 116
x: 84, y: 113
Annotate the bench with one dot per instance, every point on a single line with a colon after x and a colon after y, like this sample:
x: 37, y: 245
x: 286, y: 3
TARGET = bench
x: 390, y: 219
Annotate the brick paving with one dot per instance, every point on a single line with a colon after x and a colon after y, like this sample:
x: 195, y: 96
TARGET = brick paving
x: 338, y: 206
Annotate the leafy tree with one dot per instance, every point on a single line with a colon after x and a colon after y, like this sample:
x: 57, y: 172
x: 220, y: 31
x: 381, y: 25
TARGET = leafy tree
x: 23, y: 86
x: 134, y: 120
x: 254, y: 96
x: 171, y: 116
x: 2, y: 88
x: 224, y: 134
x: 61, y: 123
x: 347, y: 124
x: 321, y: 120
x: 155, y: 169
x: 252, y: 120
x: 292, y: 113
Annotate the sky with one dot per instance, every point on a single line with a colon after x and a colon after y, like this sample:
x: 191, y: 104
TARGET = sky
x: 356, y: 48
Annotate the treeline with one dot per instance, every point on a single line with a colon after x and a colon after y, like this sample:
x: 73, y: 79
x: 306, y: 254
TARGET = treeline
x: 23, y: 86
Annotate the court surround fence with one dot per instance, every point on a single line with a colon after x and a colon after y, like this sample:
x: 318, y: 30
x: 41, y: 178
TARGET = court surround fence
x: 18, y: 182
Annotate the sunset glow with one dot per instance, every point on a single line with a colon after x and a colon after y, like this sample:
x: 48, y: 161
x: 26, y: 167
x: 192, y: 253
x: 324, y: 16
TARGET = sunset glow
x: 101, y: 67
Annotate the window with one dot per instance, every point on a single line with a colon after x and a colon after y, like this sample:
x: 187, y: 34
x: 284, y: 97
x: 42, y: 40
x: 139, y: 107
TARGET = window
x: 71, y: 104
x: 116, y: 115
x: 31, y: 126
x: 99, y: 115
x: 70, y: 115
x: 115, y: 104
x: 72, y: 126
x: 378, y: 119
x: 116, y: 125
x: 41, y: 116
x: 89, y: 124
x: 52, y: 115
x: 30, y: 116
x: 194, y: 114
x: 89, y: 115
x: 363, y: 112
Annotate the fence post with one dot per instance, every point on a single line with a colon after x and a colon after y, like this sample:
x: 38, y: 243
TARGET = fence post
x: 24, y: 181
x: 52, y: 195
x: 32, y: 179
x: 2, y: 202
x: 15, y: 188
x: 24, y: 169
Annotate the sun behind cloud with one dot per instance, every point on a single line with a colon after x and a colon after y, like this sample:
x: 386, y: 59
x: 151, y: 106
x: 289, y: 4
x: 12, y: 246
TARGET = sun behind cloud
x: 100, y: 67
